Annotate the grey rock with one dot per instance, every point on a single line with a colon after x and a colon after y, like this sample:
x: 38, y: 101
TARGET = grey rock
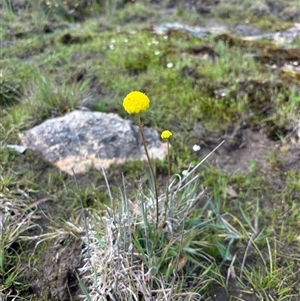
x: 82, y: 139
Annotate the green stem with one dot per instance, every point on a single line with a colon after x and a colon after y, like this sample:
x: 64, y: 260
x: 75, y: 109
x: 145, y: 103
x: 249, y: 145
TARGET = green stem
x: 168, y: 181
x: 166, y: 205
x: 150, y: 165
x: 169, y: 162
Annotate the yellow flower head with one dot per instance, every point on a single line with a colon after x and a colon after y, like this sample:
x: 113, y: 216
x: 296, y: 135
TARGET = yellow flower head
x: 136, y: 102
x: 166, y: 134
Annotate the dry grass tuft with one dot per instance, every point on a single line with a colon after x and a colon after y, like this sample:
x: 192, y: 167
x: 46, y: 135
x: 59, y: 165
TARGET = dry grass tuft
x: 17, y: 218
x: 130, y: 258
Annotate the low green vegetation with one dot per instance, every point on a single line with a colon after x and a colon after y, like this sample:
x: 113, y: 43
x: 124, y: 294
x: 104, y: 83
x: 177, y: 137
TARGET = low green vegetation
x: 231, y: 224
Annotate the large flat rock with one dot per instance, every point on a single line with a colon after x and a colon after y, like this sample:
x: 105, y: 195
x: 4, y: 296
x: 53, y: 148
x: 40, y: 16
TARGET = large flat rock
x: 82, y: 139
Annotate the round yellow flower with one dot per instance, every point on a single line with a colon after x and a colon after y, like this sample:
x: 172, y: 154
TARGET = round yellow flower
x: 136, y: 102
x: 166, y: 134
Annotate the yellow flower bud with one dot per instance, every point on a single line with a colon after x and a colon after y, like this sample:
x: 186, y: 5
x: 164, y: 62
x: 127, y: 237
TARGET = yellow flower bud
x: 166, y: 134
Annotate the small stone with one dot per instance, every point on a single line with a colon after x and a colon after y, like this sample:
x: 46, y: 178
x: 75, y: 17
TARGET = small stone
x: 18, y: 148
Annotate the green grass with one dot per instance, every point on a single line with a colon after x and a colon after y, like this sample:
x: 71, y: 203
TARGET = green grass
x: 243, y: 224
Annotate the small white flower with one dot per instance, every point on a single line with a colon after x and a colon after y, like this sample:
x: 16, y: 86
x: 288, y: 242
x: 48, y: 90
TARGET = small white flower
x: 196, y: 147
x: 185, y: 172
x: 112, y: 46
x: 125, y: 40
x: 157, y: 52
x: 165, y: 37
x: 170, y: 65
